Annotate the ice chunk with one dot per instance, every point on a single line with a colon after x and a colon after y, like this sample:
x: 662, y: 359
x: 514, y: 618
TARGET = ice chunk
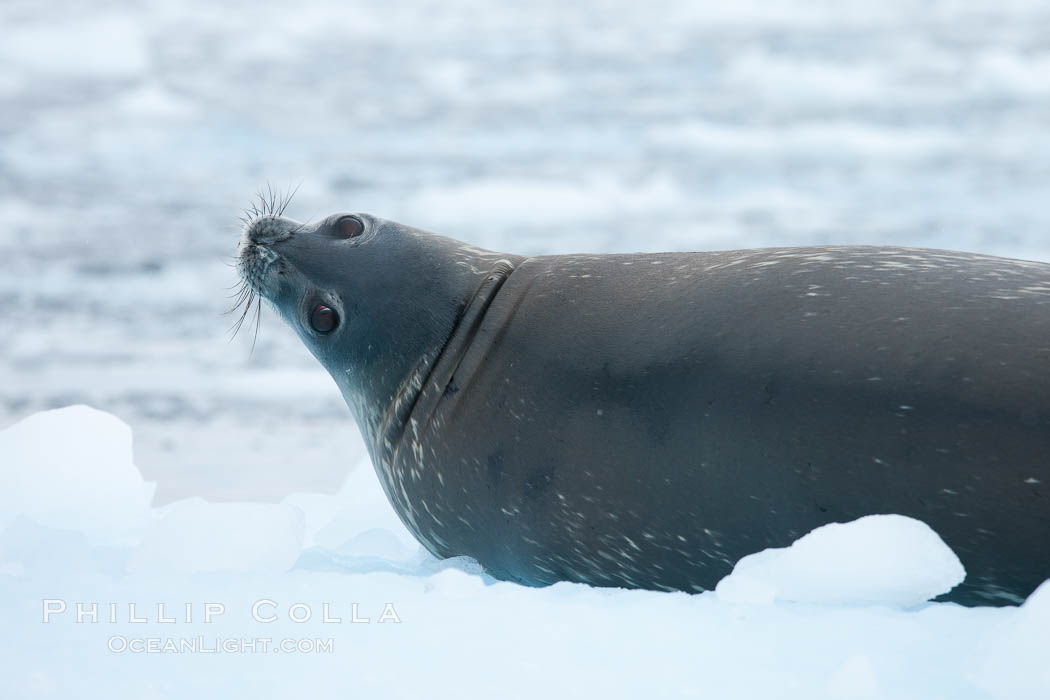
x: 875, y: 560
x: 71, y: 469
x: 196, y: 536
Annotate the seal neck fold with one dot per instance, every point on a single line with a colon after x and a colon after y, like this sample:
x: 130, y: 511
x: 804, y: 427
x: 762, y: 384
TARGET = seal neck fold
x: 412, y: 403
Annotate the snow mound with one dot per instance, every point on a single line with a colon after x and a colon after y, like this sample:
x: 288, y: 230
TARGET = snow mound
x: 887, y: 560
x: 194, y: 536
x: 71, y: 469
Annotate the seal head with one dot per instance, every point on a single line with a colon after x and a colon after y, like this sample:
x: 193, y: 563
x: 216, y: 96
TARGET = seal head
x: 374, y: 301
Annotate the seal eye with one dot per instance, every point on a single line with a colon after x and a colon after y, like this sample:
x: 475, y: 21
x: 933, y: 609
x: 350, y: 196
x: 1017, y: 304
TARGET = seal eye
x: 323, y: 319
x: 349, y: 227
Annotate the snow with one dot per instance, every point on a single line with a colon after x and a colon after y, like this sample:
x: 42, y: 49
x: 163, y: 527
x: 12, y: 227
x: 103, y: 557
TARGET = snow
x: 194, y: 603
x: 875, y: 560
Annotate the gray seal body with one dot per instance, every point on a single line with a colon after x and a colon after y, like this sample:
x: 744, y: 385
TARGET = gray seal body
x: 647, y: 420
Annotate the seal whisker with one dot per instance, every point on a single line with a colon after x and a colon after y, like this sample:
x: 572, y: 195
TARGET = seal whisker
x: 241, y: 295
x: 267, y: 202
x: 244, y: 314
x: 288, y: 199
x: 241, y: 292
x: 239, y: 284
x: 258, y: 322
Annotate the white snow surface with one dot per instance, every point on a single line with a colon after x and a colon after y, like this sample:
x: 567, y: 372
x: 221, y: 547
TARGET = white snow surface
x: 403, y: 624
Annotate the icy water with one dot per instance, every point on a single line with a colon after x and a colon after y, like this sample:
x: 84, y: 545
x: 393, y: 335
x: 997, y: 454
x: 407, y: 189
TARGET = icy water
x: 131, y: 134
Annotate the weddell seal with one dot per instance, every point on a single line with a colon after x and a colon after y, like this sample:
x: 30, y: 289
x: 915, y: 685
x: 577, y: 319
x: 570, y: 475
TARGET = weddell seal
x: 647, y: 420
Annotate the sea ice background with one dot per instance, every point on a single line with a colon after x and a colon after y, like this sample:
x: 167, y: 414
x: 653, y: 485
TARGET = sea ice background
x: 132, y: 133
